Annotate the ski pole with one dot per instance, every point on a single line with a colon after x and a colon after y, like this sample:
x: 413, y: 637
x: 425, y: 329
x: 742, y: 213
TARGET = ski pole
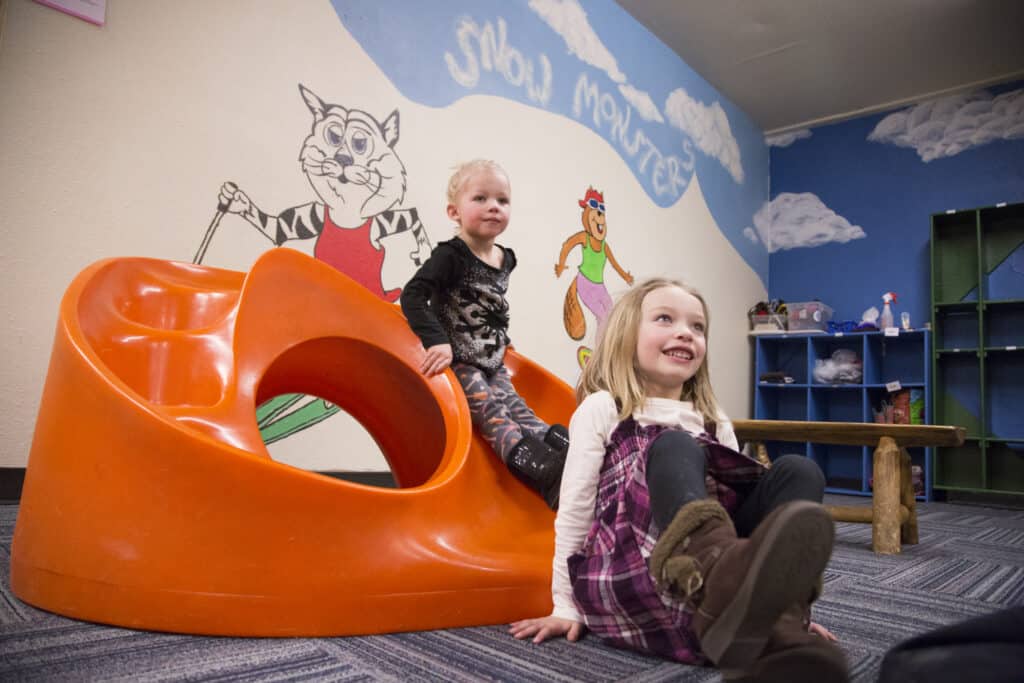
x: 222, y: 208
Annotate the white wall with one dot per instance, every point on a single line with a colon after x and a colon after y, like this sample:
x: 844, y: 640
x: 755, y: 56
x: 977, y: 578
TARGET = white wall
x: 114, y: 142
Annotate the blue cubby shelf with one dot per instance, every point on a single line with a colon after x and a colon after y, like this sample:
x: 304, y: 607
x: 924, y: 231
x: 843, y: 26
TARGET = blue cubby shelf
x: 889, y: 363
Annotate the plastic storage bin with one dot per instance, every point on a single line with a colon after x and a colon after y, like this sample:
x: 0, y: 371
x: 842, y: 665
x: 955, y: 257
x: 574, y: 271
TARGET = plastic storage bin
x: 767, y: 322
x: 808, y: 315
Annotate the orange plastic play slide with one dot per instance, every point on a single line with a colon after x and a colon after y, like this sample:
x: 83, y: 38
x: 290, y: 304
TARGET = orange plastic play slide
x: 151, y: 502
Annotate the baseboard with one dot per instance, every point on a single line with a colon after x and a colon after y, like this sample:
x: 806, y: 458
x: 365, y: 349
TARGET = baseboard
x: 380, y: 479
x: 1007, y: 501
x: 11, y: 481
x: 13, y: 478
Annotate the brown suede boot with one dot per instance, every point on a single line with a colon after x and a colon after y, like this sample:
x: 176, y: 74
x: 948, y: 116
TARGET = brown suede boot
x: 739, y: 587
x: 793, y: 655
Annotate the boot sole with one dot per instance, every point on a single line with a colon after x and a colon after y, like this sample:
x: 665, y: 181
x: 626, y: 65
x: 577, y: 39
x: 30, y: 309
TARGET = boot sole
x: 802, y: 664
x: 788, y: 563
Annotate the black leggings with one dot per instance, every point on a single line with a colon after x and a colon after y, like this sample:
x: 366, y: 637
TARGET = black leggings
x: 677, y: 465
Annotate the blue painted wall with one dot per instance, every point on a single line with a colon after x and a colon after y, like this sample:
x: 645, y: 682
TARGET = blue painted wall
x: 875, y: 181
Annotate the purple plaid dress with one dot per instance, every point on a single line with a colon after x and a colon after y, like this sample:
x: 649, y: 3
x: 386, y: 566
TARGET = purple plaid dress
x: 612, y: 587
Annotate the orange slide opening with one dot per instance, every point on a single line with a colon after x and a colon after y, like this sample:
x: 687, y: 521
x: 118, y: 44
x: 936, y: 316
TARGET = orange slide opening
x: 151, y: 502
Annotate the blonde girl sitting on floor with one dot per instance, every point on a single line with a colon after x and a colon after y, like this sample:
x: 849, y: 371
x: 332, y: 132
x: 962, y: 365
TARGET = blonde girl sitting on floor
x: 667, y: 539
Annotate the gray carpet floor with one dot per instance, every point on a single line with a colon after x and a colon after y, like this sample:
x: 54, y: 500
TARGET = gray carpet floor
x: 970, y: 562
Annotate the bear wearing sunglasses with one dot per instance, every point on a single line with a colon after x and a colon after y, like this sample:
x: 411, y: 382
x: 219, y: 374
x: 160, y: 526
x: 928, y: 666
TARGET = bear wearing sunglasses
x: 588, y: 288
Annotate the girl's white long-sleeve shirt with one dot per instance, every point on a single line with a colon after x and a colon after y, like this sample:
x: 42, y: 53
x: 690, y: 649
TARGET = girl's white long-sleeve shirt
x: 589, y: 433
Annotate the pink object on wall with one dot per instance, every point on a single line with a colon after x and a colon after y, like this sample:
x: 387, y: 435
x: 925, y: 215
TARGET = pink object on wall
x: 93, y: 11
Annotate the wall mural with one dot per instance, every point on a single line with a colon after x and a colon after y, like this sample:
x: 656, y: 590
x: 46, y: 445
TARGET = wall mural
x: 849, y: 213
x: 588, y: 287
x: 947, y: 126
x: 596, y: 66
x: 356, y: 224
x: 799, y: 219
x: 934, y: 129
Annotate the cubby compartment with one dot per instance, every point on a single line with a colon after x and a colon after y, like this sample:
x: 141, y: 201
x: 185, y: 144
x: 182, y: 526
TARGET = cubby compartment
x: 1004, y: 324
x: 826, y: 369
x: 958, y: 400
x: 839, y: 403
x: 920, y: 472
x: 1005, y: 465
x: 954, y: 257
x: 960, y: 467
x: 896, y: 359
x: 783, y: 354
x: 1002, y: 249
x: 844, y: 467
x: 906, y: 405
x: 781, y: 402
x: 956, y: 327
x: 1004, y: 380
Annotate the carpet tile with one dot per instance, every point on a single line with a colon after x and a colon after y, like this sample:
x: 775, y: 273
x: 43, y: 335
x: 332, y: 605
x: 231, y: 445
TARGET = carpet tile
x: 970, y: 562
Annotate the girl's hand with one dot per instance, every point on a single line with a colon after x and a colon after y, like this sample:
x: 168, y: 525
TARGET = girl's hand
x: 437, y: 359
x: 819, y: 630
x: 546, y: 627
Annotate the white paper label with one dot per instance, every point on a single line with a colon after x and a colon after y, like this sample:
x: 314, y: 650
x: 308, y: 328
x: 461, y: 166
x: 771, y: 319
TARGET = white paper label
x: 892, y: 332
x: 892, y: 386
x: 1011, y: 348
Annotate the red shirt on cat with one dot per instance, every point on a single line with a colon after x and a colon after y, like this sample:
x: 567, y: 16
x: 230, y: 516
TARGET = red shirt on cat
x: 350, y: 251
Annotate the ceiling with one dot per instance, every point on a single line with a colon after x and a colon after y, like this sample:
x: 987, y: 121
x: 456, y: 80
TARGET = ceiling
x: 790, y: 64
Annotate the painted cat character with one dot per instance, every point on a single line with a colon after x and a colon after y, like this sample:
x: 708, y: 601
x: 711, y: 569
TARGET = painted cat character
x: 588, y: 287
x: 355, y: 225
x: 349, y: 158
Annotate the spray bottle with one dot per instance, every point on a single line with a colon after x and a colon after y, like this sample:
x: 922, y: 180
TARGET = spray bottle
x: 886, y: 319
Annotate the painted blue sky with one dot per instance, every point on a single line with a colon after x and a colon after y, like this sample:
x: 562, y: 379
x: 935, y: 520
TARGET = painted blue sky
x: 595, y: 65
x: 872, y: 174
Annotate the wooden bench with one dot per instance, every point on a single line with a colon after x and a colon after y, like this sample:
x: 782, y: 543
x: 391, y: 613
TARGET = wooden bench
x: 893, y: 511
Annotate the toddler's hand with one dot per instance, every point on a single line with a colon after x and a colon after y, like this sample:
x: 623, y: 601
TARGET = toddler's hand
x: 546, y: 627
x: 438, y: 357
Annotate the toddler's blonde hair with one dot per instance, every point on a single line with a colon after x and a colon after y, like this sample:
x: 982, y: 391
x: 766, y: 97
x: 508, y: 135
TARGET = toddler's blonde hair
x: 466, y: 169
x: 613, y: 366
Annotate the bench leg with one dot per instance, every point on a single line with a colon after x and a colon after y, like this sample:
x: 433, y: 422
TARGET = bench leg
x: 908, y: 532
x: 885, y: 526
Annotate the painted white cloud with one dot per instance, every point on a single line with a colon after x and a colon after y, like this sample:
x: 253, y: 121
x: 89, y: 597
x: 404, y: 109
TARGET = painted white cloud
x: 946, y: 126
x: 794, y: 220
x: 750, y: 234
x: 642, y: 102
x: 709, y: 128
x: 788, y: 138
x: 569, y: 20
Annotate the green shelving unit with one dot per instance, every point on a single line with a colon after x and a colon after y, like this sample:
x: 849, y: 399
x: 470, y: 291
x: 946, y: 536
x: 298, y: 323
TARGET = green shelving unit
x: 977, y: 261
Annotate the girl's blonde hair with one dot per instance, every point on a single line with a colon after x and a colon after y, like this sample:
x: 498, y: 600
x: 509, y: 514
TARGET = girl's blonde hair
x: 613, y: 366
x: 464, y: 170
